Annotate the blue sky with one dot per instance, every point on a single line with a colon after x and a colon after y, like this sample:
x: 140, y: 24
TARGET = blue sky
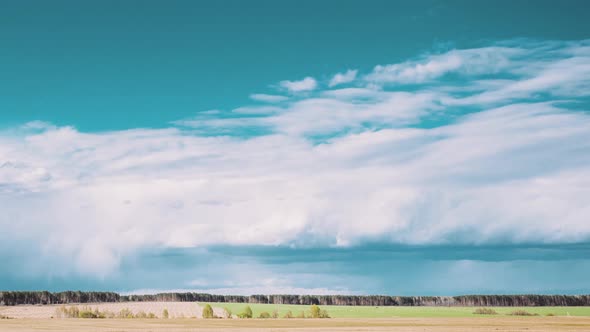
x: 420, y: 147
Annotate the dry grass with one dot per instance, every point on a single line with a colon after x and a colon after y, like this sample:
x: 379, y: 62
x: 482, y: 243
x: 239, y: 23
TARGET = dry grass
x: 110, y: 310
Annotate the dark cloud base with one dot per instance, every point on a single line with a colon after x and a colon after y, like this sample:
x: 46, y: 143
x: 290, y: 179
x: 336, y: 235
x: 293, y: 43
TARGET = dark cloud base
x: 369, y: 269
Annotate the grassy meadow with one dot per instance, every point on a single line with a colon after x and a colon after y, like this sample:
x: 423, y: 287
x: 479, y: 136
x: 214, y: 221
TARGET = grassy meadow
x: 399, y: 311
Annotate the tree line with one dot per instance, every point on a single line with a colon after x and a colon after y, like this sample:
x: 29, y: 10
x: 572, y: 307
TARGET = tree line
x: 44, y: 297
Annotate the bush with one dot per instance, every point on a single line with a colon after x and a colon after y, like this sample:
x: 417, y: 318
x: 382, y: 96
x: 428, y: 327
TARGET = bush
x: 522, y: 313
x: 208, y: 311
x: 109, y: 314
x: 550, y: 314
x: 84, y: 312
x: 87, y: 314
x: 247, y: 313
x: 165, y: 314
x: 227, y: 313
x: 289, y: 314
x: 315, y: 311
x: 71, y: 312
x: 125, y: 313
x: 141, y: 314
x: 301, y: 315
x: 264, y: 314
x: 75, y: 312
x: 484, y: 311
x: 60, y: 312
x: 275, y: 314
x: 324, y: 314
x: 101, y: 314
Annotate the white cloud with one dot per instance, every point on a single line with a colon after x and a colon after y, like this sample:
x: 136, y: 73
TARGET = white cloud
x: 306, y: 84
x: 502, y: 175
x: 334, y: 111
x: 354, y: 93
x: 515, y: 172
x: 472, y: 61
x: 342, y: 78
x: 268, y: 98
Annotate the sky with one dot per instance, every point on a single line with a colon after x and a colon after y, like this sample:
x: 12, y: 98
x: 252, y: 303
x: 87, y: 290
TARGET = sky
x: 309, y: 147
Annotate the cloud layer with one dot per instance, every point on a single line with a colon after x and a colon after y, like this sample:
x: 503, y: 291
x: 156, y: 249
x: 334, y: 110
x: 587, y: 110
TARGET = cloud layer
x: 478, y: 146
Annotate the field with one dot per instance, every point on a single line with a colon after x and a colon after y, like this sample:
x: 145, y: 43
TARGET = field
x: 186, y: 316
x: 496, y: 324
x: 408, y: 312
x: 175, y: 309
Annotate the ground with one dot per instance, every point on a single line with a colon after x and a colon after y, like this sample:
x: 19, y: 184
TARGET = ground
x: 497, y: 324
x: 37, y: 318
x: 175, y: 309
x: 397, y: 311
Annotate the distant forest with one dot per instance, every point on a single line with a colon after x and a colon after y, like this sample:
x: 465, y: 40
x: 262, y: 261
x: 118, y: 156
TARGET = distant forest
x: 44, y: 297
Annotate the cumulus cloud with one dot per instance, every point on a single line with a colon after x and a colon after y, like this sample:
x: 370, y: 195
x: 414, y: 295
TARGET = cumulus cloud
x: 342, y: 78
x: 387, y: 169
x: 306, y: 84
x: 268, y: 98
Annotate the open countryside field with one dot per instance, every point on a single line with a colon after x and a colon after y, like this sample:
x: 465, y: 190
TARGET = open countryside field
x: 180, y: 310
x: 186, y: 316
x: 503, y: 323
x: 175, y: 309
x: 399, y: 311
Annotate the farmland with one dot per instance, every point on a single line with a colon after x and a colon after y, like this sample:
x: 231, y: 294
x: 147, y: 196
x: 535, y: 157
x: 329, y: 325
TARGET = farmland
x: 504, y: 323
x: 186, y: 316
x: 400, y: 311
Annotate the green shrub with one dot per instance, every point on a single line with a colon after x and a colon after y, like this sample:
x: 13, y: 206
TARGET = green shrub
x: 550, y: 314
x: 83, y: 312
x: 87, y: 314
x: 275, y: 314
x: 208, y: 311
x: 165, y: 314
x: 264, y: 314
x: 522, y: 313
x: 315, y: 311
x: 484, y: 311
x: 324, y: 314
x: 289, y: 314
x: 301, y: 315
x: 247, y: 313
x: 227, y: 313
x: 103, y: 314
